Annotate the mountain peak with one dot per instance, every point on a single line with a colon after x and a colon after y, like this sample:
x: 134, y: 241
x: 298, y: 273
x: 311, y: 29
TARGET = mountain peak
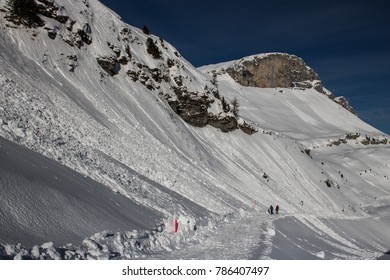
x: 272, y: 70
x: 275, y: 70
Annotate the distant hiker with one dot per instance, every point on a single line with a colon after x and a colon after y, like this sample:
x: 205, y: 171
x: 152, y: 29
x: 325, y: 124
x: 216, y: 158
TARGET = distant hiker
x: 301, y: 203
x: 277, y: 209
x: 271, y: 210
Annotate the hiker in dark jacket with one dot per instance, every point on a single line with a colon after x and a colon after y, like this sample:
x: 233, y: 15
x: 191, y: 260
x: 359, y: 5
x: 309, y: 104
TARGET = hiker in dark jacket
x: 271, y: 210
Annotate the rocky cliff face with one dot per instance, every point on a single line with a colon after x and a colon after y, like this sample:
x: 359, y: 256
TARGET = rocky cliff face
x: 344, y: 103
x: 274, y: 70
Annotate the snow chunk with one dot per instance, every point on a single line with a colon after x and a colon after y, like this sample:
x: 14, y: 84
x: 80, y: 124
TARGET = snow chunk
x: 321, y: 255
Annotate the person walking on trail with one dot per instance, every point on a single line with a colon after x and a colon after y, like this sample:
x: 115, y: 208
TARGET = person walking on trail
x: 271, y: 210
x: 277, y: 209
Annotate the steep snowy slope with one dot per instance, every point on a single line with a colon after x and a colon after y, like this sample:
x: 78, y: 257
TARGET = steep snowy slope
x: 58, y: 204
x: 121, y: 106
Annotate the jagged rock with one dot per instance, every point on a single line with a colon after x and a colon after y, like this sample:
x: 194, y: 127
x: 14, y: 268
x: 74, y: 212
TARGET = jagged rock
x: 85, y: 34
x: 158, y: 75
x: 123, y: 60
x: 24, y: 12
x: 127, y: 50
x: 109, y: 64
x: 69, y: 24
x: 274, y: 70
x: 352, y: 136
x: 190, y: 107
x: 374, y: 141
x: 77, y: 36
x: 152, y: 49
x: 72, y: 62
x: 247, y: 128
x: 329, y: 183
x: 49, y: 9
x: 337, y: 142
x: 134, y: 75
x: 178, y: 80
x: 225, y: 124
x: 193, y: 109
x: 27, y: 12
x: 126, y: 32
x: 146, y: 30
x: 146, y: 81
x: 115, y: 49
x: 52, y: 34
x: 344, y: 103
x: 170, y: 62
x: 317, y: 85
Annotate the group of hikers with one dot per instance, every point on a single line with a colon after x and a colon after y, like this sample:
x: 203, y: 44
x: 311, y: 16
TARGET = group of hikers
x: 271, y: 210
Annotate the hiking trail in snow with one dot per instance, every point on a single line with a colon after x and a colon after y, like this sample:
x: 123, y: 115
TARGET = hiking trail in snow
x: 234, y: 239
x: 257, y: 235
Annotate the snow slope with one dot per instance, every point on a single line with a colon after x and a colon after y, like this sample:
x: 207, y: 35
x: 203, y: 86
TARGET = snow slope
x: 57, y: 203
x: 116, y: 127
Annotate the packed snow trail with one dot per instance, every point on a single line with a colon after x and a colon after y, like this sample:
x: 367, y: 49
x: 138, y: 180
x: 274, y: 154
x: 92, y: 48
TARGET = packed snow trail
x: 234, y: 239
x: 258, y: 235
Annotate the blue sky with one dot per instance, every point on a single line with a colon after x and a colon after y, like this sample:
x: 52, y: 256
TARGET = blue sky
x: 346, y: 42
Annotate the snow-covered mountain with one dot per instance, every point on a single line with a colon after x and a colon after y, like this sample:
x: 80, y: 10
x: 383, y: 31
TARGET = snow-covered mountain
x: 91, y: 96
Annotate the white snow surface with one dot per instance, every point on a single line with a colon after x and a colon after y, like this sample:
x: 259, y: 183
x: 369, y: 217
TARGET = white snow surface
x: 99, y: 131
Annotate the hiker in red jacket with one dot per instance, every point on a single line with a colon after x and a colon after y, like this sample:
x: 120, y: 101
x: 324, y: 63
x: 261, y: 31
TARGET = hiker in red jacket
x: 277, y: 209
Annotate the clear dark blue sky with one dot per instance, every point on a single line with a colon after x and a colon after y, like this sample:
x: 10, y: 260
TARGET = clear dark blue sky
x: 346, y: 42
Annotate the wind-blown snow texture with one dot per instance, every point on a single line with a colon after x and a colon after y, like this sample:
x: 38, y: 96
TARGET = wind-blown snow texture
x: 110, y: 121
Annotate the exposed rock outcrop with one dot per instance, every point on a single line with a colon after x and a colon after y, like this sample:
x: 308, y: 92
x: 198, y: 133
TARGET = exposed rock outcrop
x: 109, y: 64
x: 24, y: 13
x: 247, y: 128
x: 225, y: 124
x: 190, y: 107
x: 274, y: 70
x: 32, y: 14
x: 152, y: 49
x: 344, y: 103
x: 77, y: 35
x: 193, y: 109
